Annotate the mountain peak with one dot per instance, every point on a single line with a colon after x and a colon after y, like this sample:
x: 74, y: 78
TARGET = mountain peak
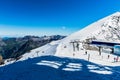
x: 116, y: 13
x: 106, y: 29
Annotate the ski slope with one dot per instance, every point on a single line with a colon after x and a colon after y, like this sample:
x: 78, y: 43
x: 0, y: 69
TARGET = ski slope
x: 48, y: 49
x: 56, y: 68
x: 58, y: 61
x: 106, y: 29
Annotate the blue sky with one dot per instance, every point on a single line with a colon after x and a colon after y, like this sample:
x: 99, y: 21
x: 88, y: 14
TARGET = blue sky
x: 50, y: 17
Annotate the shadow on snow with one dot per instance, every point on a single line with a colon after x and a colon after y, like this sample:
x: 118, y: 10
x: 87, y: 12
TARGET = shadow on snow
x: 56, y: 68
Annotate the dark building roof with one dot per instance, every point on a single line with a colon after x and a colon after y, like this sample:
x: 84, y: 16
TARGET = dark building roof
x: 102, y: 43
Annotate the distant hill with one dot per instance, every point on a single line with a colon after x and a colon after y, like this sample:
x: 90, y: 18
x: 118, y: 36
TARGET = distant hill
x: 15, y: 47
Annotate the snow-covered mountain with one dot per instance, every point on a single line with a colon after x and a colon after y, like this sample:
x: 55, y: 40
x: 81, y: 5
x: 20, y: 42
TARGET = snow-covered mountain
x: 13, y: 47
x: 106, y: 29
x: 58, y: 61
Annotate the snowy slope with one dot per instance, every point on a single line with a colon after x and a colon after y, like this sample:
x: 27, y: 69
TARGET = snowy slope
x: 56, y: 68
x: 48, y: 49
x: 106, y: 29
x: 99, y: 29
x: 58, y: 61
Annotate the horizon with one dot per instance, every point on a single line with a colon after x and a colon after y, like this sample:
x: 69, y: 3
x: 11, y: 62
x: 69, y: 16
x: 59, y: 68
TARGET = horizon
x: 51, y: 17
x: 21, y: 36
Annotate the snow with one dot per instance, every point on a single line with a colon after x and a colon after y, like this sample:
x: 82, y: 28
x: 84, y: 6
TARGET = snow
x: 56, y: 68
x: 101, y: 72
x: 101, y: 30
x: 50, y: 63
x: 73, y: 67
x: 48, y: 49
x: 58, y: 61
x: 94, y: 57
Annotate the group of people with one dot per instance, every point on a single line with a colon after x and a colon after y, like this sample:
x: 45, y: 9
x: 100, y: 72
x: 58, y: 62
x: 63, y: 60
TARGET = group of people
x: 116, y: 59
x: 76, y: 48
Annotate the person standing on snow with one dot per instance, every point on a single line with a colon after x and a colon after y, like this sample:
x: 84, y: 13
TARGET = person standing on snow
x: 86, y: 52
x: 108, y: 56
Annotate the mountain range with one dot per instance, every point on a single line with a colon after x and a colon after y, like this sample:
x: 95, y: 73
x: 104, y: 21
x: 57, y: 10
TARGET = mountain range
x: 15, y: 47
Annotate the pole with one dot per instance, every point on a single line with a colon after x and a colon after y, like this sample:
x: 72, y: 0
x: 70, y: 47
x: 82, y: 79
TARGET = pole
x: 73, y: 46
x: 99, y: 50
x: 88, y: 57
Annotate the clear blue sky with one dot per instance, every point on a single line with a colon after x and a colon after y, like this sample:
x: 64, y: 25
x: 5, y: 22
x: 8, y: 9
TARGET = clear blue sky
x: 49, y: 17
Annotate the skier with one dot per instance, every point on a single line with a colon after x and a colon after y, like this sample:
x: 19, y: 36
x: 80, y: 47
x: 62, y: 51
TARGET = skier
x: 86, y: 52
x: 114, y: 59
x: 42, y: 51
x: 65, y: 46
x: 73, y: 54
x: 108, y: 56
x: 117, y: 59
